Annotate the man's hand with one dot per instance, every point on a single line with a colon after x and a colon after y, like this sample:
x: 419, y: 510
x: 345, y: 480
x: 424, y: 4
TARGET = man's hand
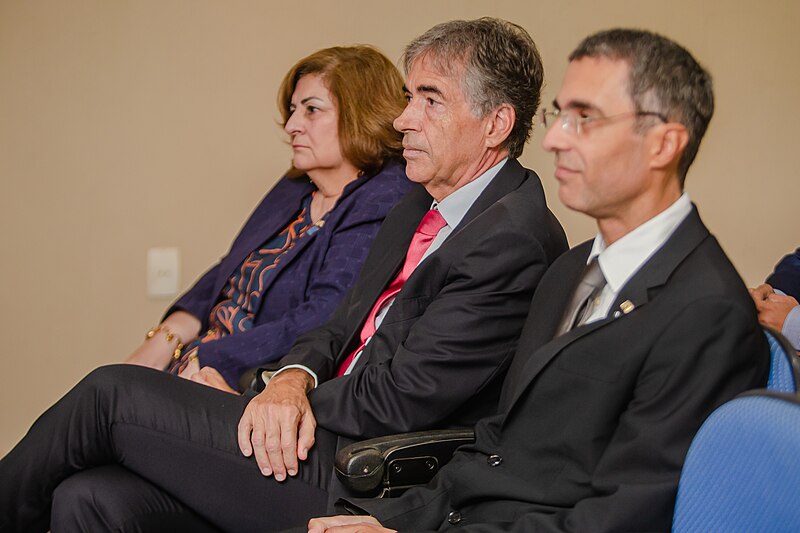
x: 278, y: 425
x: 772, y: 308
x: 761, y: 292
x: 346, y: 524
x: 212, y: 378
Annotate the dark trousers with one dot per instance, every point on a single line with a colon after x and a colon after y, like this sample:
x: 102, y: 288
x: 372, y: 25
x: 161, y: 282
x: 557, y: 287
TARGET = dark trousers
x: 133, y: 449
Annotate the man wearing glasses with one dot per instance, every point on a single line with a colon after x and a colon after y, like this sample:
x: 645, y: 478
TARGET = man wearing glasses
x: 639, y: 333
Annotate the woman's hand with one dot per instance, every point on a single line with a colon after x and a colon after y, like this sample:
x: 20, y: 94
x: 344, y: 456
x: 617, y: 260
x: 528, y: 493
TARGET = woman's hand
x: 210, y: 377
x: 192, y: 367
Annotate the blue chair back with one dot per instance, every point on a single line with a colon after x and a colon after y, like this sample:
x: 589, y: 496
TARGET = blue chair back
x: 784, y: 369
x: 742, y: 471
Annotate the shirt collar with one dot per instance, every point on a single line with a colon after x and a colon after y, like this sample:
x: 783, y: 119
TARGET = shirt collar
x: 457, y: 203
x: 626, y: 256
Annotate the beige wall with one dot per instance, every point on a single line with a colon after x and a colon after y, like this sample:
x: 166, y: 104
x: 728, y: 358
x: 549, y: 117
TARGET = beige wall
x: 131, y: 124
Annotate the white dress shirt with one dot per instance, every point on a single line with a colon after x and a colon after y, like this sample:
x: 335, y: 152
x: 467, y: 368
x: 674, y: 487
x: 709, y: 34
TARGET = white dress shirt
x: 621, y: 260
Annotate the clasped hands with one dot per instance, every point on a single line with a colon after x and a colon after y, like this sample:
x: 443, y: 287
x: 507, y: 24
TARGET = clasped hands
x: 773, y: 308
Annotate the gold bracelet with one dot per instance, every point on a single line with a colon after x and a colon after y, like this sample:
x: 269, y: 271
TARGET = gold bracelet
x: 169, y: 335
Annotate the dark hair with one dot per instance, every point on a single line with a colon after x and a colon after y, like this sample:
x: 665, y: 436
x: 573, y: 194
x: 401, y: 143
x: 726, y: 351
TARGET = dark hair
x: 368, y: 91
x: 500, y: 62
x: 664, y: 77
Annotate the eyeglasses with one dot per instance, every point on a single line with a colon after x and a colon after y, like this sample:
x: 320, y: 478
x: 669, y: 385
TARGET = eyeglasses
x: 573, y: 123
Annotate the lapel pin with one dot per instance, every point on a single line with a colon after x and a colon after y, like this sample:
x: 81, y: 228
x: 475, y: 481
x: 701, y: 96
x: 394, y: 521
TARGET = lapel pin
x: 627, y: 306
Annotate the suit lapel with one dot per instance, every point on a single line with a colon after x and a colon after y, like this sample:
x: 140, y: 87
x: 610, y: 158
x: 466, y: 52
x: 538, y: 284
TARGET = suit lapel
x: 409, y: 214
x: 654, y: 273
x: 391, y: 254
x: 510, y: 177
x: 311, y: 234
x: 547, y: 307
x: 270, y: 220
x: 637, y: 293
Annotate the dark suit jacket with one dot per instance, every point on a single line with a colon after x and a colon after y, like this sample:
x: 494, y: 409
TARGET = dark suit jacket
x: 440, y: 354
x: 595, y: 424
x: 787, y: 275
x: 310, y: 279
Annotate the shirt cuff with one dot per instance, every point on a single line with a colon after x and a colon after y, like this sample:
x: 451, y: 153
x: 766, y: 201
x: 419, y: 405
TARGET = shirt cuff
x: 266, y: 376
x: 791, y: 327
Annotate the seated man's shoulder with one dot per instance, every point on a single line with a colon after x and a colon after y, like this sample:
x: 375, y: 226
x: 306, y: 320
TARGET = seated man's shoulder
x: 705, y: 296
x: 710, y: 272
x: 523, y: 216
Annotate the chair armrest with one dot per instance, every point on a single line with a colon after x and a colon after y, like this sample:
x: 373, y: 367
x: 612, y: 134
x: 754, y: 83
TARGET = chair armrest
x: 253, y: 379
x: 387, y: 466
x: 248, y: 380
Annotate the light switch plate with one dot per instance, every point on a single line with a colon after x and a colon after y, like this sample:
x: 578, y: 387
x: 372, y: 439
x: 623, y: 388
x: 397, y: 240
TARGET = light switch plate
x: 163, y: 272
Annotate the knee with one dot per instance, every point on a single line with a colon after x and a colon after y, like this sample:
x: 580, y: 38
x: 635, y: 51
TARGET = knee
x: 110, y: 381
x: 111, y: 498
x: 109, y: 375
x: 72, y: 492
x: 94, y: 397
x: 78, y: 505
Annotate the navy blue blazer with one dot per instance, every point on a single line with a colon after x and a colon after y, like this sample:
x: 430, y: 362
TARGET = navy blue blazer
x: 308, y: 282
x: 787, y: 275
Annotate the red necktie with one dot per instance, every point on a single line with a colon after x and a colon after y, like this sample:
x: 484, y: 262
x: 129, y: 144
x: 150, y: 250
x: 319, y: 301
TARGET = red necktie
x: 427, y: 230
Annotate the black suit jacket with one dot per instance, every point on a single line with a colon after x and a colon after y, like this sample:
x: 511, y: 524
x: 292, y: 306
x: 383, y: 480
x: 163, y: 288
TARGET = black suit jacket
x: 439, y: 357
x: 595, y: 424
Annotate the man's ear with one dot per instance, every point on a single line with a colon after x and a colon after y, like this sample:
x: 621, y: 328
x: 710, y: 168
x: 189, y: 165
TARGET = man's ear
x: 668, y: 143
x: 499, y: 123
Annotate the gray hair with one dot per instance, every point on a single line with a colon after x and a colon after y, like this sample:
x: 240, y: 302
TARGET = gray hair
x: 664, y: 77
x: 500, y: 63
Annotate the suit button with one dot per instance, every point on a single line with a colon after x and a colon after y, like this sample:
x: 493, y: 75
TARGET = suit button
x: 454, y: 517
x: 494, y: 460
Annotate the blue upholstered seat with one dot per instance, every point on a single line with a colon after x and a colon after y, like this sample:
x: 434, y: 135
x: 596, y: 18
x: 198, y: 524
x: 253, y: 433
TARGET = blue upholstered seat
x: 742, y: 472
x: 784, y: 370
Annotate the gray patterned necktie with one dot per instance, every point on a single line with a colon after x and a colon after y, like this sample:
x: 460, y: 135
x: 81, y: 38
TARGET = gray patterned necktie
x: 580, y: 308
